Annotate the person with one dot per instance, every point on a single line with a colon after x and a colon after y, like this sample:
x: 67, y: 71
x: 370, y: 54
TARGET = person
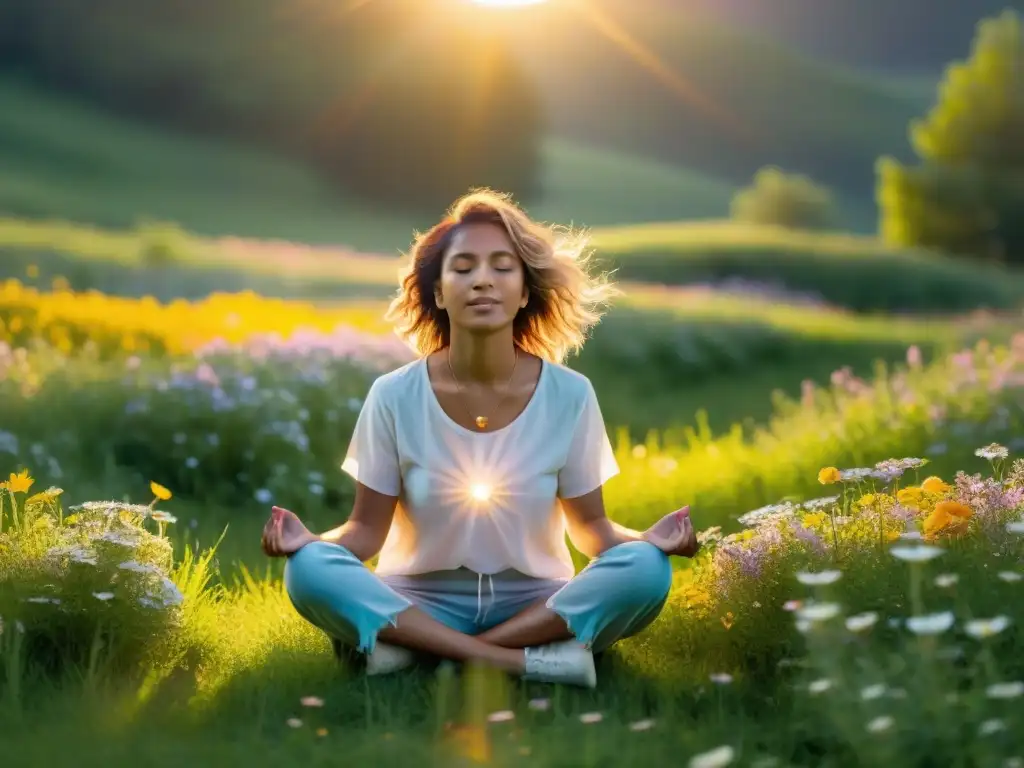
x: 471, y: 464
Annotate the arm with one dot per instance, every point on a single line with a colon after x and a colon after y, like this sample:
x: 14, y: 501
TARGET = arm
x: 364, y: 532
x: 590, y: 530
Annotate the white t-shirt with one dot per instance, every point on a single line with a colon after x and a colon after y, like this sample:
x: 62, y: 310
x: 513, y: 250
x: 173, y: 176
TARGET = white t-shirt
x: 487, y: 501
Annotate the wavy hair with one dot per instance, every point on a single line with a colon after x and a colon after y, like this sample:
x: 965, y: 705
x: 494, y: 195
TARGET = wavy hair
x: 566, y: 297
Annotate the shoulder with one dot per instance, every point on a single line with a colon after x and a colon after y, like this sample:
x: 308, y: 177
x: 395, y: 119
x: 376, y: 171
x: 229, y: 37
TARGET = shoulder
x: 393, y: 387
x: 570, y: 388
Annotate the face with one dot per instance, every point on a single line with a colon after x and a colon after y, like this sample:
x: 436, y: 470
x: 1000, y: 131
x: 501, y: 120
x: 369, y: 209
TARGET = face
x: 483, y: 281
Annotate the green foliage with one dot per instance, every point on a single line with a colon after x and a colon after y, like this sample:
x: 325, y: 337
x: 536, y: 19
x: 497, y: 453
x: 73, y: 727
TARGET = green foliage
x: 793, y: 201
x: 80, y: 586
x: 967, y: 193
x: 857, y: 273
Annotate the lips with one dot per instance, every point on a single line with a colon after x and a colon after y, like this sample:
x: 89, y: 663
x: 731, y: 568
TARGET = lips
x: 482, y: 303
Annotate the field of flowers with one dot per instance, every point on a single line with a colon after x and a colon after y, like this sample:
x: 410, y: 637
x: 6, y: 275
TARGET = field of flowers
x: 857, y: 601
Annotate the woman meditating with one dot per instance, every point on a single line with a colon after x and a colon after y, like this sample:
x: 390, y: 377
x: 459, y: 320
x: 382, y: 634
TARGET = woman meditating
x: 472, y: 462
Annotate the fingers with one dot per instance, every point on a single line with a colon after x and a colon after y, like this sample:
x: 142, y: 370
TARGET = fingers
x: 271, y: 539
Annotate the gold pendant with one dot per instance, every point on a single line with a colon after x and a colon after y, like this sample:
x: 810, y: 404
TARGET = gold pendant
x: 481, y: 422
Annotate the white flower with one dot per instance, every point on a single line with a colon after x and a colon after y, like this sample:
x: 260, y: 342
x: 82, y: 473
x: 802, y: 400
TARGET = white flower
x: 930, y: 624
x: 766, y: 514
x: 294, y: 722
x: 715, y: 758
x: 311, y: 701
x: 911, y: 536
x: 1010, y: 576
x: 104, y: 596
x: 946, y: 580
x: 820, y: 686
x: 721, y: 678
x: 591, y: 717
x: 989, y: 727
x: 861, y: 621
x: 982, y: 628
x: 1015, y: 526
x: 876, y: 691
x: 163, y: 517
x: 818, y: 579
x: 880, y: 723
x: 826, y: 501
x: 819, y: 611
x: 1005, y: 690
x: 992, y: 451
x: 792, y: 605
x: 642, y: 725
x: 917, y: 554
x: 540, y: 705
x: 43, y: 600
x: 501, y: 716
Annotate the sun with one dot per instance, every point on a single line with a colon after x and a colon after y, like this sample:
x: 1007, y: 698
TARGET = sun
x: 507, y: 3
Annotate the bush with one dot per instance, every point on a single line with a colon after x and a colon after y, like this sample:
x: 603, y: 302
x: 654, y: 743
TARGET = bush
x: 966, y: 195
x: 785, y: 200
x: 95, y: 582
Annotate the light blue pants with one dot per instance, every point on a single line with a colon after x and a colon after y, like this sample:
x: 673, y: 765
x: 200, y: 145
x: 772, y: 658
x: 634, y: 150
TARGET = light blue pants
x: 616, y: 595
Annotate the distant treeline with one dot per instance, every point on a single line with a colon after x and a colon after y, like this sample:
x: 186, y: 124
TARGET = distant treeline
x: 393, y: 99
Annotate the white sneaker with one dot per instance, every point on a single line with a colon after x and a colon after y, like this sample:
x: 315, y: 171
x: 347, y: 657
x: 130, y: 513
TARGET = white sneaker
x: 386, y: 659
x: 569, y: 662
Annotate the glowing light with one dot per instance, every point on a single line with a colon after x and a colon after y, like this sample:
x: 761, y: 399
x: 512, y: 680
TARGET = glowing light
x: 480, y: 492
x: 508, y: 3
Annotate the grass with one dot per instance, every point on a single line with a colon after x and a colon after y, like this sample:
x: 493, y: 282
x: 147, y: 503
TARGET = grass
x: 798, y: 697
x: 853, y: 271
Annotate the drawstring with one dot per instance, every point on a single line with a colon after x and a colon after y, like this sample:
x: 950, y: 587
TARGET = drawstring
x: 480, y: 597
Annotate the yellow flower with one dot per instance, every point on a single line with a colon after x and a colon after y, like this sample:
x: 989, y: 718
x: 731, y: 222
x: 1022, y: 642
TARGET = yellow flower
x: 814, y: 519
x: 19, y: 483
x: 159, y: 491
x: 867, y: 500
x: 728, y: 620
x: 909, y: 496
x: 934, y: 484
x: 828, y: 476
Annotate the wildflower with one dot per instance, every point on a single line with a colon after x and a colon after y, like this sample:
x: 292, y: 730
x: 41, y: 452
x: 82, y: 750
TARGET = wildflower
x: 294, y: 722
x: 321, y: 732
x: 992, y: 452
x: 982, y: 628
x: 18, y: 483
x: 502, y: 716
x: 946, y: 580
x: 829, y: 476
x: 642, y: 725
x: 159, y: 491
x: 539, y: 705
x: 989, y: 727
x: 588, y: 718
x: 880, y: 724
x: 947, y: 517
x: 104, y: 596
x: 819, y: 686
x: 876, y: 691
x: 935, y: 484
x: 311, y: 701
x: 727, y: 620
x: 861, y: 621
x: 916, y: 554
x: 818, y: 579
x: 721, y: 678
x: 1005, y: 690
x: 766, y: 514
x: 931, y: 624
x: 825, y: 501
x: 1010, y: 577
x: 792, y: 605
x: 715, y: 758
x: 900, y: 465
x: 1016, y: 526
x: 163, y: 517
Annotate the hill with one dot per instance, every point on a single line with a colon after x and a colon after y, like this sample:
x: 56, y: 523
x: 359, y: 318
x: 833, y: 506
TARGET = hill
x: 683, y: 89
x: 63, y: 159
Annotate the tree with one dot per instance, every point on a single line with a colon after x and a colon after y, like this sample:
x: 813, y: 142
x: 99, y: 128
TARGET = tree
x: 785, y: 200
x: 966, y: 193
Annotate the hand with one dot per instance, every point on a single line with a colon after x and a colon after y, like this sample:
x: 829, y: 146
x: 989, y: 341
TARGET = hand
x: 284, y: 534
x: 674, y: 534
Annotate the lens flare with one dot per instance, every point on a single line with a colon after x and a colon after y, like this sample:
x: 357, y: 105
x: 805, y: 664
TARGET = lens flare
x: 480, y: 492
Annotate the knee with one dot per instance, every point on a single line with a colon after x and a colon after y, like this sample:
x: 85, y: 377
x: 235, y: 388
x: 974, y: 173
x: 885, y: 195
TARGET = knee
x: 650, y: 572
x: 310, y: 572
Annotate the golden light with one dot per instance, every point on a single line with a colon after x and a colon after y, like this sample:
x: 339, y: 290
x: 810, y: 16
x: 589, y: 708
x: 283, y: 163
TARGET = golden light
x: 480, y: 492
x: 508, y: 3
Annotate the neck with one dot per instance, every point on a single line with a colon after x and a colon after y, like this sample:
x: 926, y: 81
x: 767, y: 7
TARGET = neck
x: 482, y: 359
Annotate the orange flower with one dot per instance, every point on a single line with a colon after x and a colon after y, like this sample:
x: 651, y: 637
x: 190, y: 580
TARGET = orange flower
x: 828, y: 476
x: 935, y: 484
x: 948, y: 517
x: 159, y: 491
x: 18, y: 483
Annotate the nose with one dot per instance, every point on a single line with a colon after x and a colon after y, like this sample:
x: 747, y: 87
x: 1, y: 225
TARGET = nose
x: 483, y: 276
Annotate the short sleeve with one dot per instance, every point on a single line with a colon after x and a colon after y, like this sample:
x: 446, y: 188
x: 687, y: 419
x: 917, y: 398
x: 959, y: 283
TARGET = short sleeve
x: 372, y: 457
x: 591, y: 461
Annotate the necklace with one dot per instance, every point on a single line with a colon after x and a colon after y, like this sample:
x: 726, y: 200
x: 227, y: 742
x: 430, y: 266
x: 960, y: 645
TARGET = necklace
x: 482, y: 421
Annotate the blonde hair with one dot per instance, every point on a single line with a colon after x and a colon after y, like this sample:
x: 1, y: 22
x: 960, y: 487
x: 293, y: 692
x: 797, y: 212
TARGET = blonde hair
x: 565, y: 297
